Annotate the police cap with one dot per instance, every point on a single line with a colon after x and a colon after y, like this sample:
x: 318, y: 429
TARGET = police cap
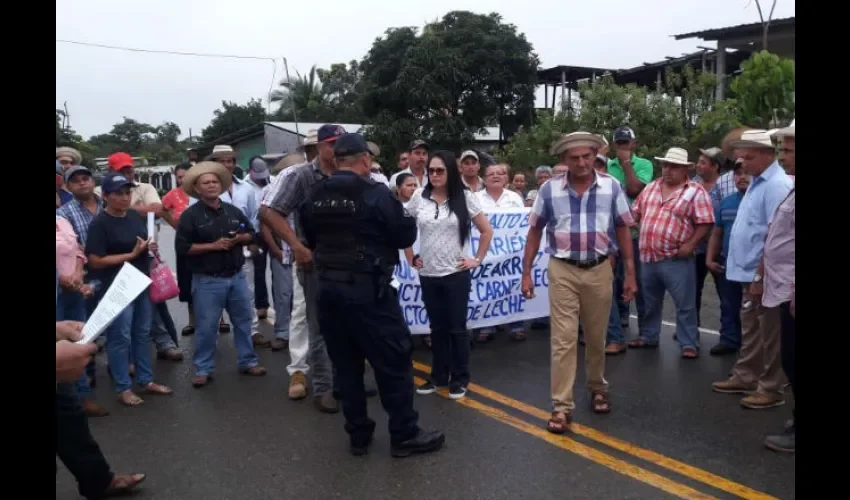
x: 349, y: 145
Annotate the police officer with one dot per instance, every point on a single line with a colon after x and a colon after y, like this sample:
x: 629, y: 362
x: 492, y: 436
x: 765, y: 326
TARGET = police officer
x: 355, y: 228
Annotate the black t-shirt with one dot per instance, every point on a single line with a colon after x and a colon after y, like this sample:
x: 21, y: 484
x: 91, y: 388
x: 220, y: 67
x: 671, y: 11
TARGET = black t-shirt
x: 110, y: 235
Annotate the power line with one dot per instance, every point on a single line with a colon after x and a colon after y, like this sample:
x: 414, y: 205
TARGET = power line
x: 181, y: 53
x: 171, y: 52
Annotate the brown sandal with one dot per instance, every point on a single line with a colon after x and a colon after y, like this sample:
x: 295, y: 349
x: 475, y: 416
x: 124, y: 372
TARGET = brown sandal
x: 154, y: 388
x: 130, y: 398
x: 122, y: 484
x: 254, y: 371
x: 559, y: 423
x: 599, y: 402
x: 641, y: 344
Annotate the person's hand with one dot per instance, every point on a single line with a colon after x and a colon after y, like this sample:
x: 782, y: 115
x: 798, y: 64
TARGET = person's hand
x: 277, y: 253
x: 467, y: 263
x: 527, y: 287
x: 141, y: 246
x: 253, y: 250
x: 715, y: 267
x: 624, y: 153
x: 67, y: 281
x: 686, y: 250
x: 153, y: 246
x: 71, y: 360
x: 71, y: 331
x: 629, y: 288
x: 86, y: 290
x: 223, y: 244
x: 303, y: 256
x: 417, y: 262
x: 756, y: 288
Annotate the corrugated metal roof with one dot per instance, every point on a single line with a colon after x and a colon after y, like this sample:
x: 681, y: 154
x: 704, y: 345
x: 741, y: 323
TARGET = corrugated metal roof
x: 490, y: 133
x: 735, y: 31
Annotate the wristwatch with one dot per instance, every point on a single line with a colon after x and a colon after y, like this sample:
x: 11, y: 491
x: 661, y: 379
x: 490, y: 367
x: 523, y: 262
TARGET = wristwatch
x: 757, y: 278
x: 477, y: 260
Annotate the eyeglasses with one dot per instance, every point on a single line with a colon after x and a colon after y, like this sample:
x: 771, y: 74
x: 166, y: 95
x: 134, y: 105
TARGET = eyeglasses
x: 436, y: 171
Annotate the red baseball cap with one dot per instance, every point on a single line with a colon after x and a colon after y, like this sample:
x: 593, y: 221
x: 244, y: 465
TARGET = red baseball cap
x: 117, y: 161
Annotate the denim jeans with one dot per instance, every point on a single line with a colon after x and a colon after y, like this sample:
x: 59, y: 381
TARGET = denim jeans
x: 282, y: 297
x: 163, y: 333
x: 624, y: 310
x: 445, y: 301
x: 615, y: 334
x: 676, y: 276
x: 731, y: 297
x: 514, y: 327
x: 71, y: 306
x: 129, y: 335
x: 210, y: 297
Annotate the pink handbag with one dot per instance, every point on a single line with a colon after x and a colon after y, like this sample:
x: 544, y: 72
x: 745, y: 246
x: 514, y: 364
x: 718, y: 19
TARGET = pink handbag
x: 163, y: 285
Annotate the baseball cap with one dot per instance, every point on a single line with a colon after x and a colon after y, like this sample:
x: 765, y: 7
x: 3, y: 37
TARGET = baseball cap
x: 114, y: 181
x: 469, y: 153
x: 259, y: 169
x: 329, y: 133
x: 117, y: 161
x: 623, y: 134
x: 350, y: 144
x: 74, y: 170
x: 419, y: 143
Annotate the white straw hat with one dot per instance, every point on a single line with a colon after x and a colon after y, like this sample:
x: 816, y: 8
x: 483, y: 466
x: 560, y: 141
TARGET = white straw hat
x: 677, y: 156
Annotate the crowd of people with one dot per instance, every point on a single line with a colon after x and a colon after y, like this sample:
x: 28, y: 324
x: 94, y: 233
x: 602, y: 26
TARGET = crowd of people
x: 614, y: 234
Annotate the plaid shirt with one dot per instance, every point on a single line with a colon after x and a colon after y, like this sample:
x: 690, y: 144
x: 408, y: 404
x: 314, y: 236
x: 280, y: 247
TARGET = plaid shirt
x: 80, y: 217
x: 580, y: 227
x: 286, y: 197
x: 724, y: 186
x: 665, y: 225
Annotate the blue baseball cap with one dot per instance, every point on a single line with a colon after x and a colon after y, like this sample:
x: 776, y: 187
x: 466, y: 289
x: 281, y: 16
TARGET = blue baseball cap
x: 350, y: 144
x: 113, y: 182
x: 329, y: 132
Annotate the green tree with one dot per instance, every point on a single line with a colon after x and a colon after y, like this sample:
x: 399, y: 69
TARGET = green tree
x: 764, y: 91
x: 302, y: 98
x: 66, y: 136
x: 464, y: 72
x: 341, y: 87
x: 233, y: 117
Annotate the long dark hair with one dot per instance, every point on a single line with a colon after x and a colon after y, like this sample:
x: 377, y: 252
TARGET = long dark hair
x: 455, y: 192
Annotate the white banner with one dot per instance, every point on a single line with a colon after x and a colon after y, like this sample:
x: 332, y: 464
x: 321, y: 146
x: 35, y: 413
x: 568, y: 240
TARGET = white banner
x: 495, y: 297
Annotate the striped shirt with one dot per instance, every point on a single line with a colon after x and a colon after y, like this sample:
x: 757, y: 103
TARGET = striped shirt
x: 665, y: 225
x: 579, y: 226
x: 286, y: 197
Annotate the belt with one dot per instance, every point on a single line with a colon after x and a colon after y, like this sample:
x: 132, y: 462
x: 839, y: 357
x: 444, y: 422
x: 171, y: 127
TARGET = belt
x: 585, y: 264
x: 222, y: 274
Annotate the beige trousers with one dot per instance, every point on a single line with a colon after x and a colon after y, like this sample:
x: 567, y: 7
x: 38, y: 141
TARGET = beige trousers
x: 575, y: 294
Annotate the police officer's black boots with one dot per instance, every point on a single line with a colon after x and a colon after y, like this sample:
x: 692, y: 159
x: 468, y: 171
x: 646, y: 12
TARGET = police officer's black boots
x: 424, y: 442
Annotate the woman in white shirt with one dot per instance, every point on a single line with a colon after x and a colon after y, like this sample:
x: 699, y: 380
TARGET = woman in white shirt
x: 444, y: 209
x: 405, y: 187
x: 494, y: 195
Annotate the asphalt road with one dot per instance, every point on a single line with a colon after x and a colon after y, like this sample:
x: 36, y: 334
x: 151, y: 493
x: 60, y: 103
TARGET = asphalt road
x: 240, y: 438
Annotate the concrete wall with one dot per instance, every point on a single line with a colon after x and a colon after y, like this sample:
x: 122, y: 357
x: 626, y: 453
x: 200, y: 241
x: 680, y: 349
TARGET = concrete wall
x: 280, y: 141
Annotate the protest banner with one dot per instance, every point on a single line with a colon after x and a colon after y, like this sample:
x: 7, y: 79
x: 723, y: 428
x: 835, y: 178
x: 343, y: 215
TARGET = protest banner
x: 495, y: 297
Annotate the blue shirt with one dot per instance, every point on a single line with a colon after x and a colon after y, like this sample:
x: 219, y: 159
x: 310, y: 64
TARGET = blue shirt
x: 64, y: 196
x: 724, y: 218
x: 755, y: 213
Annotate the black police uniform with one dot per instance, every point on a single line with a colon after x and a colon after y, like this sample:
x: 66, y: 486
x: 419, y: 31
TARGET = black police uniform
x: 355, y: 228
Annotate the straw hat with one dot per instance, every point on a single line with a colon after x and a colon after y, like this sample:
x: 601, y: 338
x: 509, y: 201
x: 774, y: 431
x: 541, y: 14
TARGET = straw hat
x: 575, y: 140
x: 287, y: 161
x: 206, y: 167
x: 70, y: 152
x: 753, y: 139
x: 732, y: 136
x: 676, y: 156
x: 311, y: 140
x: 788, y: 131
x: 373, y: 148
x: 221, y: 150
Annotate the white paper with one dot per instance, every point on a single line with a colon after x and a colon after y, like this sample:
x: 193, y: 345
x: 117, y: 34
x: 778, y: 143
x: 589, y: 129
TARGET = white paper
x: 128, y: 285
x: 151, y: 226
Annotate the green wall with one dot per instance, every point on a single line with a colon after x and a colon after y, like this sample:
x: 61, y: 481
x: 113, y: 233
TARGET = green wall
x: 248, y: 148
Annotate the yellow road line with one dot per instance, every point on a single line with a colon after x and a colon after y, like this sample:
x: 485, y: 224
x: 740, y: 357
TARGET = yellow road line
x: 658, y: 459
x: 565, y: 443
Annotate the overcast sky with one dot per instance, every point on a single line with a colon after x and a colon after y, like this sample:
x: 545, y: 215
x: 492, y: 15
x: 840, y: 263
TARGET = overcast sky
x: 101, y: 86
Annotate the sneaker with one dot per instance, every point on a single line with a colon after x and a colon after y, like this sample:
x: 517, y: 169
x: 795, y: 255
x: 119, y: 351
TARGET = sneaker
x: 457, y: 392
x: 426, y: 388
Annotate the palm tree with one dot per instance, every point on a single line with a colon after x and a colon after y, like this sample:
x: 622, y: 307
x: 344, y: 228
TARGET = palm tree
x: 300, y: 96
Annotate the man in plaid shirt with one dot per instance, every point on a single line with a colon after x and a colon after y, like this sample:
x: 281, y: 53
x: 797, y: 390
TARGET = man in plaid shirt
x: 580, y: 211
x: 675, y: 214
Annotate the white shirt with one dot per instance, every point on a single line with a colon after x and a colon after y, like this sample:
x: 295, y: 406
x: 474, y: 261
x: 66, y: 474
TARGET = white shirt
x: 379, y: 177
x: 508, y: 199
x: 268, y: 194
x: 408, y: 171
x: 439, y: 239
